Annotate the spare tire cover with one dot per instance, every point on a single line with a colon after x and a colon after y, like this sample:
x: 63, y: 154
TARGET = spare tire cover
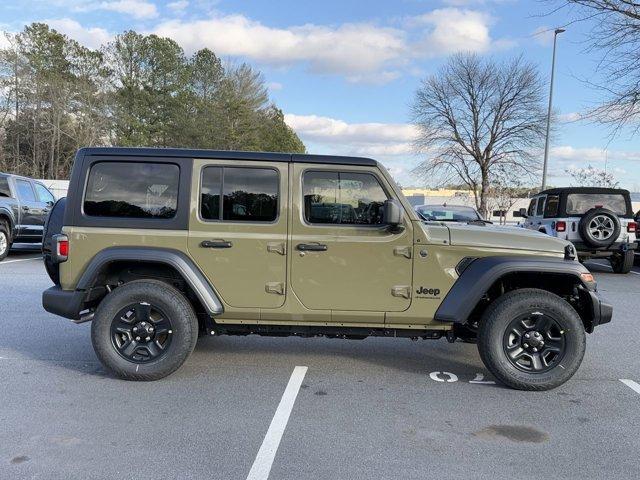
x: 53, y: 226
x: 599, y: 227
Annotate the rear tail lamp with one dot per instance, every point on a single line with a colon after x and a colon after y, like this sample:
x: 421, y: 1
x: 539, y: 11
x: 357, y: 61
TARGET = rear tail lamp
x: 561, y: 226
x: 60, y: 248
x: 632, y: 227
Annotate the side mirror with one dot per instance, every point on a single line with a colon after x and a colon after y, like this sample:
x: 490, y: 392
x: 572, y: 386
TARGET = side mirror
x: 523, y: 213
x: 392, y: 214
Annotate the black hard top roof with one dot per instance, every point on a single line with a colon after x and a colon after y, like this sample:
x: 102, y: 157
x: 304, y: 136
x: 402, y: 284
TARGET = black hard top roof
x: 594, y: 190
x: 227, y: 155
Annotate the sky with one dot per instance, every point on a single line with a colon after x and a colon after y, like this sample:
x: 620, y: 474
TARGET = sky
x: 345, y: 72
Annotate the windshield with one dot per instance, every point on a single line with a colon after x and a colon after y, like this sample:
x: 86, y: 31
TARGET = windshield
x: 448, y: 213
x: 580, y: 203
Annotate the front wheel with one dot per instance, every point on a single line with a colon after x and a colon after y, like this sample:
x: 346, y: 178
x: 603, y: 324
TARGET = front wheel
x: 144, y: 330
x: 5, y: 243
x: 531, y: 339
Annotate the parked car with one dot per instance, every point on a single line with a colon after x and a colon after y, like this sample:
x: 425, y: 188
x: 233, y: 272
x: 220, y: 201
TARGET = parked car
x: 24, y: 206
x: 637, y: 219
x: 598, y: 221
x: 449, y: 213
x: 157, y: 246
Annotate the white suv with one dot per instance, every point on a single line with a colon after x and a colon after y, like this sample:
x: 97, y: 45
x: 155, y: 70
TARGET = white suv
x: 598, y: 221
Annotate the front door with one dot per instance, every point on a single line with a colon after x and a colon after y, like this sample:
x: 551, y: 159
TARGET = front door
x: 238, y: 232
x: 343, y: 258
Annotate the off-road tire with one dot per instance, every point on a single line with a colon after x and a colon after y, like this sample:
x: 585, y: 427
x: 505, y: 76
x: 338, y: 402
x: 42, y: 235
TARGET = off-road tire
x: 156, y: 293
x: 503, y: 311
x: 622, y: 262
x: 5, y: 240
x: 583, y: 227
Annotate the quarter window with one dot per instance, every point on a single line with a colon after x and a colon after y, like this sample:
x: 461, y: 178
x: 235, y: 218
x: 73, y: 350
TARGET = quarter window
x: 343, y: 198
x: 132, y: 190
x: 25, y: 192
x: 248, y: 194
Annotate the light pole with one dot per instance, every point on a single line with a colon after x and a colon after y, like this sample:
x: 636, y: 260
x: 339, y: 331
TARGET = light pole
x: 546, y: 143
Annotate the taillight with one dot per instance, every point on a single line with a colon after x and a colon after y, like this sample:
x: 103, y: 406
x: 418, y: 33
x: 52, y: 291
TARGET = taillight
x: 60, y: 250
x: 561, y: 226
x: 632, y: 227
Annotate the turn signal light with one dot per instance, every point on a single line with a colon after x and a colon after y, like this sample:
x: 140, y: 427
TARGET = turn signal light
x: 632, y: 227
x: 63, y: 248
x: 59, y: 248
x: 587, y: 277
x: 561, y: 226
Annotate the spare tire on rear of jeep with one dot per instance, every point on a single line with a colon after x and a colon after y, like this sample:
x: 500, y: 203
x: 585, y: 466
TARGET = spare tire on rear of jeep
x: 53, y: 226
x: 599, y: 227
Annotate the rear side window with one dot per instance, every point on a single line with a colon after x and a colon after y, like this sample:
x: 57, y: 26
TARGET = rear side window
x: 25, y: 192
x: 248, y: 194
x: 343, y: 198
x: 580, y: 203
x: 5, y: 191
x: 551, y: 206
x: 132, y: 190
x: 540, y: 207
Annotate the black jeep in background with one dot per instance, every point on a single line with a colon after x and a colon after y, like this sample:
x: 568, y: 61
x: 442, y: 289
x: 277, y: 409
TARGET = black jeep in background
x: 24, y: 206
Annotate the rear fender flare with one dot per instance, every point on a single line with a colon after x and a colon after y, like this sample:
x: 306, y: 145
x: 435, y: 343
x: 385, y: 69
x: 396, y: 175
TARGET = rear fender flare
x: 173, y: 258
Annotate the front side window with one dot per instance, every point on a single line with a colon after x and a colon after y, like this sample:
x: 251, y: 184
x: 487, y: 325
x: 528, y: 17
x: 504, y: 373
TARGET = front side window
x: 43, y: 194
x: 343, y: 198
x: 25, y: 192
x: 532, y: 207
x: 132, y: 190
x: 5, y: 191
x: 248, y: 194
x: 580, y: 203
x: 540, y: 208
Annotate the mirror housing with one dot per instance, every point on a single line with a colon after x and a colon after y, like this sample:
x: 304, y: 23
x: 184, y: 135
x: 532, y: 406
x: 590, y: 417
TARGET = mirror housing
x: 523, y: 213
x: 392, y: 214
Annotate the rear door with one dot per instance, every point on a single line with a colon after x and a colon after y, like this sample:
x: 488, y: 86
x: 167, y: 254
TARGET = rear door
x: 238, y: 232
x: 31, y: 210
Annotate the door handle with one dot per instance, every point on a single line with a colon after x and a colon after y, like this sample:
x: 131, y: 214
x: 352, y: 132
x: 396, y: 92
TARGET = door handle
x: 311, y: 247
x: 216, y: 244
x: 25, y: 208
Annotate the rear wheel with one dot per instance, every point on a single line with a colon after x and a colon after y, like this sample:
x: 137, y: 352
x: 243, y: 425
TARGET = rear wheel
x: 144, y: 330
x: 622, y: 262
x: 5, y: 242
x: 531, y: 339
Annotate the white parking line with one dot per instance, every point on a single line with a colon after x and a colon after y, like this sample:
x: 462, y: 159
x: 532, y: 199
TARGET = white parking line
x: 631, y: 384
x: 20, y: 260
x: 267, y: 453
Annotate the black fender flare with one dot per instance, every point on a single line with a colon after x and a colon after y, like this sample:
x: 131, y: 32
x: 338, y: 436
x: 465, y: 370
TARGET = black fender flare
x: 480, y: 274
x: 173, y: 258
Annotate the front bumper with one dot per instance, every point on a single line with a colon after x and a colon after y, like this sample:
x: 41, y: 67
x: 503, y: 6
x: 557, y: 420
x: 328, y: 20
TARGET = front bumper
x: 66, y: 303
x: 601, y: 310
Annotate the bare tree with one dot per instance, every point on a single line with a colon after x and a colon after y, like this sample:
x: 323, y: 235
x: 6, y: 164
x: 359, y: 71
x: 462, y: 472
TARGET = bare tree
x: 592, y: 177
x: 475, y: 116
x: 616, y: 35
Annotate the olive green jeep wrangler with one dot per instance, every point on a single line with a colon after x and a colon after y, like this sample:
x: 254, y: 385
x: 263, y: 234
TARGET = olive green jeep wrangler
x: 159, y: 246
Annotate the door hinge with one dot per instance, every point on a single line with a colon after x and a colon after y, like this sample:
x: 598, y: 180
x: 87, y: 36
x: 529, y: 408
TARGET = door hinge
x: 403, y: 291
x: 274, y: 287
x: 277, y: 247
x: 402, y: 251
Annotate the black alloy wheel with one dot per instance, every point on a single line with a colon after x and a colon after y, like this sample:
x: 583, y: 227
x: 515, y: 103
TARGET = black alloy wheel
x: 141, y: 332
x: 534, y: 342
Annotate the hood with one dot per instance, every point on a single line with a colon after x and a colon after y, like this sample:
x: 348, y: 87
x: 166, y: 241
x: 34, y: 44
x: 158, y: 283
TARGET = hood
x: 493, y: 236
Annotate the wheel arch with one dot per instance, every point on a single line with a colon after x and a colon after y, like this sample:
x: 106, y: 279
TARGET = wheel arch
x: 6, y: 216
x: 485, y: 279
x: 122, y: 264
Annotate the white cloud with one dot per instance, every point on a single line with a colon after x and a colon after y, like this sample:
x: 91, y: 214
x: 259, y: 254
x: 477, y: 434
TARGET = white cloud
x: 567, y: 153
x: 92, y: 37
x: 570, y: 117
x: 135, y: 8
x: 179, y: 5
x: 452, y: 30
x: 273, y: 86
x: 351, y: 49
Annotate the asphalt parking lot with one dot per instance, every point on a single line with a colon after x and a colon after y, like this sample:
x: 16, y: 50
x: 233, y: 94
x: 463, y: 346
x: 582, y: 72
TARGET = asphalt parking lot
x: 370, y: 409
